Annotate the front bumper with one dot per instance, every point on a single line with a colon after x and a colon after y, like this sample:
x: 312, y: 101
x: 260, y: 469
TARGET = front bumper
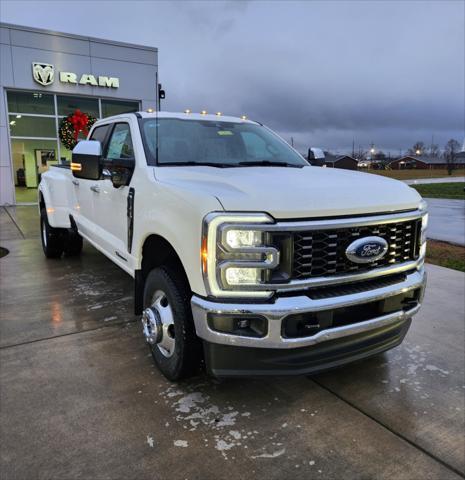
x: 275, y: 353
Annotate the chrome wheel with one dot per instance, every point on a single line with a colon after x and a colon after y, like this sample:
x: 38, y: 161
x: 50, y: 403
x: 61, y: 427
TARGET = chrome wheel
x: 158, y: 324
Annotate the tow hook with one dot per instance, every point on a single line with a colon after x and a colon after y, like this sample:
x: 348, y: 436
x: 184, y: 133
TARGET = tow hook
x: 152, y: 326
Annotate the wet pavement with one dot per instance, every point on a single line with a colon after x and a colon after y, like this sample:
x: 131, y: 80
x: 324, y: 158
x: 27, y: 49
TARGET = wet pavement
x: 446, y: 220
x: 81, y: 398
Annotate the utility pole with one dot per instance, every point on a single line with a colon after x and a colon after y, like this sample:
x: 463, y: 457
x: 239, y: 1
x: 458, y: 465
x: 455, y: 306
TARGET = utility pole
x: 292, y: 141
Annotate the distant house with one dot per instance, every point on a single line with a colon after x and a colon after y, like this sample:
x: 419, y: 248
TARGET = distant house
x: 424, y: 162
x: 341, y: 161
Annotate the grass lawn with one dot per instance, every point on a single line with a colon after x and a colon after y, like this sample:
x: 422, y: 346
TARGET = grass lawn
x: 441, y: 190
x: 420, y: 173
x: 446, y: 255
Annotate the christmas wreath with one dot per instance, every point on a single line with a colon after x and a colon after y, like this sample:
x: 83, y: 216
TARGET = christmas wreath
x: 74, y: 124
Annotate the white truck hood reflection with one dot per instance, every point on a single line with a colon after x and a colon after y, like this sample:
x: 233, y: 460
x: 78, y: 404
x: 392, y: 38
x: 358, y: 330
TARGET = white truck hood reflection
x: 287, y: 193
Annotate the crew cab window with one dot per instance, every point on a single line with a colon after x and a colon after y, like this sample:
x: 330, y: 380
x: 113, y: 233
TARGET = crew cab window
x: 99, y: 133
x: 120, y: 145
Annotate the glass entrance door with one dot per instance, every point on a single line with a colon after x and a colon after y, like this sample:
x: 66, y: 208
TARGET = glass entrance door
x: 31, y: 157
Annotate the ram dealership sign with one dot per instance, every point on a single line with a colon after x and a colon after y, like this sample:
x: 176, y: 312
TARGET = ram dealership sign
x: 44, y: 73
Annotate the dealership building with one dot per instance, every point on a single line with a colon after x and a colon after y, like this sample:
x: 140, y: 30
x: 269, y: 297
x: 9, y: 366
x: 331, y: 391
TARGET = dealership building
x: 46, y: 76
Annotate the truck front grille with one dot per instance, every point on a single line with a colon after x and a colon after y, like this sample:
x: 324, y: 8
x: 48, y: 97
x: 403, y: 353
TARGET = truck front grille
x: 319, y: 253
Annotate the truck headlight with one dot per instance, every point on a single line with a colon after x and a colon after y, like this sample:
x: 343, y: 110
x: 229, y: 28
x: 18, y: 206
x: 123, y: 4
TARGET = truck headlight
x: 236, y: 259
x: 243, y: 238
x: 242, y: 276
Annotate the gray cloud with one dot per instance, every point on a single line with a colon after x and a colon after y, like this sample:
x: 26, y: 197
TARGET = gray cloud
x: 322, y: 72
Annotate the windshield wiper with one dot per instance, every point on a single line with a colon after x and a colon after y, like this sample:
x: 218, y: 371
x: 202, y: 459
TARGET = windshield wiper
x: 196, y: 164
x: 269, y: 163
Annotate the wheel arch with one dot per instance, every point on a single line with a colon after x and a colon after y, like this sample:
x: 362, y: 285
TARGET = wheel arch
x: 156, y: 251
x: 41, y: 200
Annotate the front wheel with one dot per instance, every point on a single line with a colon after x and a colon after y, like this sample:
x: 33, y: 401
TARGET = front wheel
x: 168, y: 326
x: 52, y: 238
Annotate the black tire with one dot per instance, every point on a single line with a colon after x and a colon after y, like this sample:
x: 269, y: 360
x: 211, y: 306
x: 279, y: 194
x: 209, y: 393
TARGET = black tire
x: 52, y: 238
x: 73, y: 244
x: 186, y: 358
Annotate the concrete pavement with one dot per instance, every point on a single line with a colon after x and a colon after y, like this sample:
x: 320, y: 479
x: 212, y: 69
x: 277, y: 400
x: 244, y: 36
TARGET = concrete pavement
x: 418, y: 181
x: 81, y: 398
x: 446, y: 220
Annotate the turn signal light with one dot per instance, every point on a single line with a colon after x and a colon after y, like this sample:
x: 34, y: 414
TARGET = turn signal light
x: 76, y: 167
x: 204, y: 255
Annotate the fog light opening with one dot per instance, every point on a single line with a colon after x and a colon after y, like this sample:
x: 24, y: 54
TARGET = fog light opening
x: 238, y: 325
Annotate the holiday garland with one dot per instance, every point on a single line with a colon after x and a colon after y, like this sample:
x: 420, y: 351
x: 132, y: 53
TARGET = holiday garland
x: 74, y: 124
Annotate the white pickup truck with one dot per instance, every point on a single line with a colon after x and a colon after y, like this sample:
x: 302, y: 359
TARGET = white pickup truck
x: 244, y: 256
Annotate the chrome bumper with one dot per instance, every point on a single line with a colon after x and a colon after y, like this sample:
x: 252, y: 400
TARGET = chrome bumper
x: 276, y: 312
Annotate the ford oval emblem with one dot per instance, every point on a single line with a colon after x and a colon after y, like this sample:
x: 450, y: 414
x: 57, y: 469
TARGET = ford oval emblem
x: 367, y: 249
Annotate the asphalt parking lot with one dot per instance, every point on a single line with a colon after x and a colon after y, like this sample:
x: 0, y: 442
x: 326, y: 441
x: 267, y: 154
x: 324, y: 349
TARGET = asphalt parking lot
x: 81, y: 398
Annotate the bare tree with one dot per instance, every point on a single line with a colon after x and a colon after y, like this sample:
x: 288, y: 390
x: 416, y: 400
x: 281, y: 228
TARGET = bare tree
x: 450, y: 150
x: 433, y: 150
x: 361, y: 154
x: 380, y: 155
x: 417, y: 149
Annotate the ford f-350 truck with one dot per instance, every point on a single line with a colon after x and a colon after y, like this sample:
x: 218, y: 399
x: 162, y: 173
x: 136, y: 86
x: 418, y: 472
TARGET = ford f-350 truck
x: 244, y: 256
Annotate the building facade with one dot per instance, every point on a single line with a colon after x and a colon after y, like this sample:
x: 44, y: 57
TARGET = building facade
x: 46, y: 76
x: 342, y: 161
x: 423, y: 162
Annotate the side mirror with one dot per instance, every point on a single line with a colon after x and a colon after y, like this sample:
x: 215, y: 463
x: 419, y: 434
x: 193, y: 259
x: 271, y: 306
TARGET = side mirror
x: 86, y: 160
x: 316, y: 157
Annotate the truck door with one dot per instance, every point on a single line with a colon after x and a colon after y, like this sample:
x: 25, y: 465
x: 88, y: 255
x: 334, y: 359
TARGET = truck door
x: 83, y: 189
x: 110, y: 203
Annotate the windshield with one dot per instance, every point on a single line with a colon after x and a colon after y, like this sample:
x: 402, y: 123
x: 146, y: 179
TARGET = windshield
x: 221, y: 144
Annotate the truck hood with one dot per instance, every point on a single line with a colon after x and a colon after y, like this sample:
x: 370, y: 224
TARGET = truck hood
x: 287, y: 193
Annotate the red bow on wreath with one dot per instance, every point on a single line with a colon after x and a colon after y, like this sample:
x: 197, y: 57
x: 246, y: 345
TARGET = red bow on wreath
x: 79, y: 122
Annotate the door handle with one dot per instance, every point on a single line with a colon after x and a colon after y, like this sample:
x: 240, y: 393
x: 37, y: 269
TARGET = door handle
x: 95, y: 188
x: 75, y: 182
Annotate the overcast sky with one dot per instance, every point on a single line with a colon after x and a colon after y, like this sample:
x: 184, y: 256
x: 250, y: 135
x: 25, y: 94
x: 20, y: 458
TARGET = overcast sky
x: 322, y: 72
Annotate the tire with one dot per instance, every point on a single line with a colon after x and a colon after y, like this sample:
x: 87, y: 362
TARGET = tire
x: 52, y: 238
x: 170, y: 292
x: 73, y: 244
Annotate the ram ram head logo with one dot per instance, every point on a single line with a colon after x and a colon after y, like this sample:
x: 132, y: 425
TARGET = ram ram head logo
x: 43, y: 73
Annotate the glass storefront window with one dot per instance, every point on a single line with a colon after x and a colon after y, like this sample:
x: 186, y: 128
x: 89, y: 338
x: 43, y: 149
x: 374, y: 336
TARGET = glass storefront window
x: 35, y: 145
x: 31, y: 102
x: 65, y: 154
x: 25, y: 126
x: 67, y: 105
x: 115, y: 107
